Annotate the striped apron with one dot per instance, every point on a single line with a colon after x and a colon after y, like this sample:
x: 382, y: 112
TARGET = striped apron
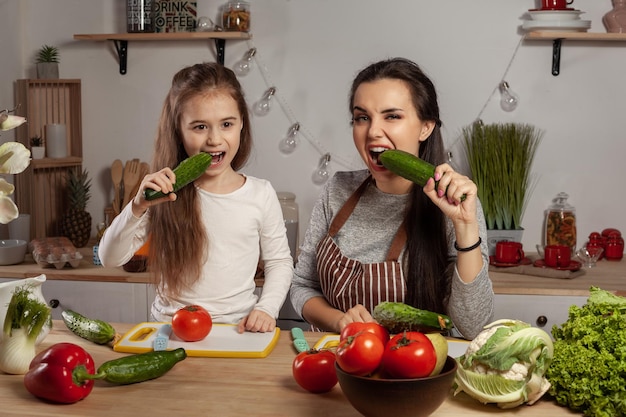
x: 347, y: 282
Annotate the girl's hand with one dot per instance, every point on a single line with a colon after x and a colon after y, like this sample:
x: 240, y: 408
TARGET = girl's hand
x: 257, y: 321
x: 449, y: 201
x: 162, y: 180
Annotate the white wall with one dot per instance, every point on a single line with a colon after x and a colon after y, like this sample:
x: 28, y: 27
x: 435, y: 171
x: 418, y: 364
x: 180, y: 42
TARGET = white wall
x: 312, y: 49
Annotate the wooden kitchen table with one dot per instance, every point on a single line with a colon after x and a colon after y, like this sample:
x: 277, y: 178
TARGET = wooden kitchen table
x: 225, y: 387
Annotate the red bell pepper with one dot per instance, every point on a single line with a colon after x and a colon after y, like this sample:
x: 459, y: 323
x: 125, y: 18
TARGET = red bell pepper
x: 61, y: 374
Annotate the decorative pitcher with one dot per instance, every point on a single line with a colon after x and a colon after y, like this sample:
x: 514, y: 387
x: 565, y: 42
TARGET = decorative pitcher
x: 6, y: 292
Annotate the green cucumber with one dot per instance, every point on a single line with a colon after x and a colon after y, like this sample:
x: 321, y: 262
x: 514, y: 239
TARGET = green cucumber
x: 399, y: 317
x: 94, y: 330
x: 186, y: 172
x: 139, y: 367
x: 409, y: 166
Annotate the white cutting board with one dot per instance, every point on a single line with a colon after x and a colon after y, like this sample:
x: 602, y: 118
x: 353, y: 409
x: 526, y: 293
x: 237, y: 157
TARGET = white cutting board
x: 222, y: 342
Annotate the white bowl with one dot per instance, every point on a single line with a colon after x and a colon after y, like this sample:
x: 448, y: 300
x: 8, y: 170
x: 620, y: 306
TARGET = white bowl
x: 12, y: 251
x: 555, y: 14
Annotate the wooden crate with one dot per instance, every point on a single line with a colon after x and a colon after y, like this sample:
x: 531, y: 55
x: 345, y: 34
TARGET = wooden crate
x: 40, y: 190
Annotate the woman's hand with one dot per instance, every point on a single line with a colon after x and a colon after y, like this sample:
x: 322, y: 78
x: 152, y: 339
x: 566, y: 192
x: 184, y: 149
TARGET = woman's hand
x: 358, y: 313
x: 257, y: 321
x: 448, y: 193
x: 162, y: 180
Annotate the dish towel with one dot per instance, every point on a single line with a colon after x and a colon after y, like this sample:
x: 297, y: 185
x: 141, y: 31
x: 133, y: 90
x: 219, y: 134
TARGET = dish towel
x: 538, y: 271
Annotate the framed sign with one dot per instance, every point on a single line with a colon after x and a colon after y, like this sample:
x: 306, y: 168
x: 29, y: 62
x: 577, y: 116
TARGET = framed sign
x: 175, y: 16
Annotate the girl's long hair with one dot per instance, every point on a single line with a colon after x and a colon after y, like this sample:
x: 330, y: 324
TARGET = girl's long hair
x: 426, y: 260
x: 178, y: 243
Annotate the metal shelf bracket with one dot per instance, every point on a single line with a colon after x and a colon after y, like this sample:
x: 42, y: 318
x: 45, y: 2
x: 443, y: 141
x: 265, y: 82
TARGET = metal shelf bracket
x: 220, y: 48
x: 122, y: 53
x: 556, y: 56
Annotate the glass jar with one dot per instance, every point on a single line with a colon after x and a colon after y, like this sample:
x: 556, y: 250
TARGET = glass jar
x: 236, y: 16
x: 140, y: 15
x: 561, y: 223
x: 290, y: 215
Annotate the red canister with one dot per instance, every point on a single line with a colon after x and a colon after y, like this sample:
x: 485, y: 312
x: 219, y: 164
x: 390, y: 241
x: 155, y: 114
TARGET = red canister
x: 614, y: 250
x: 596, y: 241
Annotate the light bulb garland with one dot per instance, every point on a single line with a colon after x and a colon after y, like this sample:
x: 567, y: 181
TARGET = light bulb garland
x: 288, y: 144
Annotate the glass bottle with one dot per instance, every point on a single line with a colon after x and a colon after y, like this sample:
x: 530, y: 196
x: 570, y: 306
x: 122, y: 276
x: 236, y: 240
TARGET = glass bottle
x: 561, y: 223
x: 140, y: 15
x: 290, y: 215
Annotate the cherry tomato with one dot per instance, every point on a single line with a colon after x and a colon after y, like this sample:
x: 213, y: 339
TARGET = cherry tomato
x: 353, y: 328
x: 192, y: 323
x: 314, y: 370
x: 409, y: 355
x: 360, y: 354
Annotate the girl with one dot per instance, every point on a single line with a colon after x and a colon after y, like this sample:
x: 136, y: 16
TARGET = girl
x: 375, y: 236
x: 206, y: 240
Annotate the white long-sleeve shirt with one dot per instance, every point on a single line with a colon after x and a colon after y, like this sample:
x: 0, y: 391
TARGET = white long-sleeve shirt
x: 242, y: 227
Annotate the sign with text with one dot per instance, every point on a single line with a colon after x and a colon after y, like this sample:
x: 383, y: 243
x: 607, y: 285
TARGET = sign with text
x: 175, y: 16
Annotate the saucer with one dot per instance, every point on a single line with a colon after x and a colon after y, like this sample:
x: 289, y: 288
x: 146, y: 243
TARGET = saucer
x: 552, y: 9
x: 557, y: 25
x: 492, y: 261
x: 573, y: 265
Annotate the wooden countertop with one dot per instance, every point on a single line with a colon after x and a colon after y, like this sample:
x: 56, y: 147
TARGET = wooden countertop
x: 608, y: 275
x: 220, y: 387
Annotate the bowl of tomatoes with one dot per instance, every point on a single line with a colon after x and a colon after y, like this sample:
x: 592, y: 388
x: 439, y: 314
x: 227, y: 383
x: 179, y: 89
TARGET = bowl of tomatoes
x: 406, y: 374
x: 375, y: 396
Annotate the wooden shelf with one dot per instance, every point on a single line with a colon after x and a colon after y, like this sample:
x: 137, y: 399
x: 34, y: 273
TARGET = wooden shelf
x: 121, y: 41
x: 45, y: 163
x: 558, y: 36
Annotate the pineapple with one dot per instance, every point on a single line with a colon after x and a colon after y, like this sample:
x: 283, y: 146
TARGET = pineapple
x: 76, y: 223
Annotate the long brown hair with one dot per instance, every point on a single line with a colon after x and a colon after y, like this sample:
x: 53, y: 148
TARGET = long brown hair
x: 178, y: 243
x: 426, y: 256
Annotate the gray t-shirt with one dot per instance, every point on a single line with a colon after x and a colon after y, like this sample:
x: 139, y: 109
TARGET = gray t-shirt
x: 367, y: 235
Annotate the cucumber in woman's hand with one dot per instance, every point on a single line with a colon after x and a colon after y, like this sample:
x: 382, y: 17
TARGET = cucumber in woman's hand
x: 409, y: 166
x: 399, y: 317
x: 186, y: 172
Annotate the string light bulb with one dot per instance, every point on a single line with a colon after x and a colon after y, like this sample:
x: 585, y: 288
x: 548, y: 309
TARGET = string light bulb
x: 508, y: 99
x: 263, y: 106
x: 288, y: 144
x: 321, y: 174
x: 244, y: 65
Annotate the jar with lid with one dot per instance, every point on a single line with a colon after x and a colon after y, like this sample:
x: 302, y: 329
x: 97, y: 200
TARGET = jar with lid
x: 595, y: 243
x: 290, y: 215
x: 140, y: 16
x: 614, y: 247
x: 236, y: 16
x: 561, y: 223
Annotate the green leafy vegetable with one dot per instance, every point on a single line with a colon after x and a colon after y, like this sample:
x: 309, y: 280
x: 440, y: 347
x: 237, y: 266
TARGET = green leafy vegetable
x: 588, y: 373
x: 505, y: 364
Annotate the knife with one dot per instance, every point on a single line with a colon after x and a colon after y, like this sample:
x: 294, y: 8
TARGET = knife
x: 162, y: 337
x: 298, y: 340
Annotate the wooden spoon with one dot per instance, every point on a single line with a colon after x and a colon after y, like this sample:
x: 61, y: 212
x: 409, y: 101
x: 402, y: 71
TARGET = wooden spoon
x: 130, y: 178
x: 144, y: 169
x: 117, y: 171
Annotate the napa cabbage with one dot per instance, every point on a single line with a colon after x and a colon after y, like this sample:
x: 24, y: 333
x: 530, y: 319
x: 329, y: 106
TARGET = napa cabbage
x: 505, y: 364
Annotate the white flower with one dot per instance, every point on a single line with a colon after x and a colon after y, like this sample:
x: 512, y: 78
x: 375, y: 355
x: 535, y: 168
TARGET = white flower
x: 14, y: 158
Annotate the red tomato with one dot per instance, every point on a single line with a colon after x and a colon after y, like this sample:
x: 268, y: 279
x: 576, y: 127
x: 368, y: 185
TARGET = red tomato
x: 409, y: 355
x: 314, y: 370
x: 192, y: 323
x: 353, y: 328
x: 360, y: 354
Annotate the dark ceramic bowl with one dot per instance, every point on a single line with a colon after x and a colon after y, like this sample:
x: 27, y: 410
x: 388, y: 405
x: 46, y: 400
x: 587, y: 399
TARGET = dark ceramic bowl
x: 420, y: 397
x: 137, y: 263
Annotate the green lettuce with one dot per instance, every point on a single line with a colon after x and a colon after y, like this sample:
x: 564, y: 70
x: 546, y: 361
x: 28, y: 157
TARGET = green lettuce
x: 588, y: 372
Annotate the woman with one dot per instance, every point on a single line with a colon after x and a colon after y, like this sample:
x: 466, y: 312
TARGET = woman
x: 375, y: 236
x: 206, y: 239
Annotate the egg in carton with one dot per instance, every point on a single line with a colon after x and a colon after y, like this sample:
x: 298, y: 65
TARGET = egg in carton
x: 55, y: 251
